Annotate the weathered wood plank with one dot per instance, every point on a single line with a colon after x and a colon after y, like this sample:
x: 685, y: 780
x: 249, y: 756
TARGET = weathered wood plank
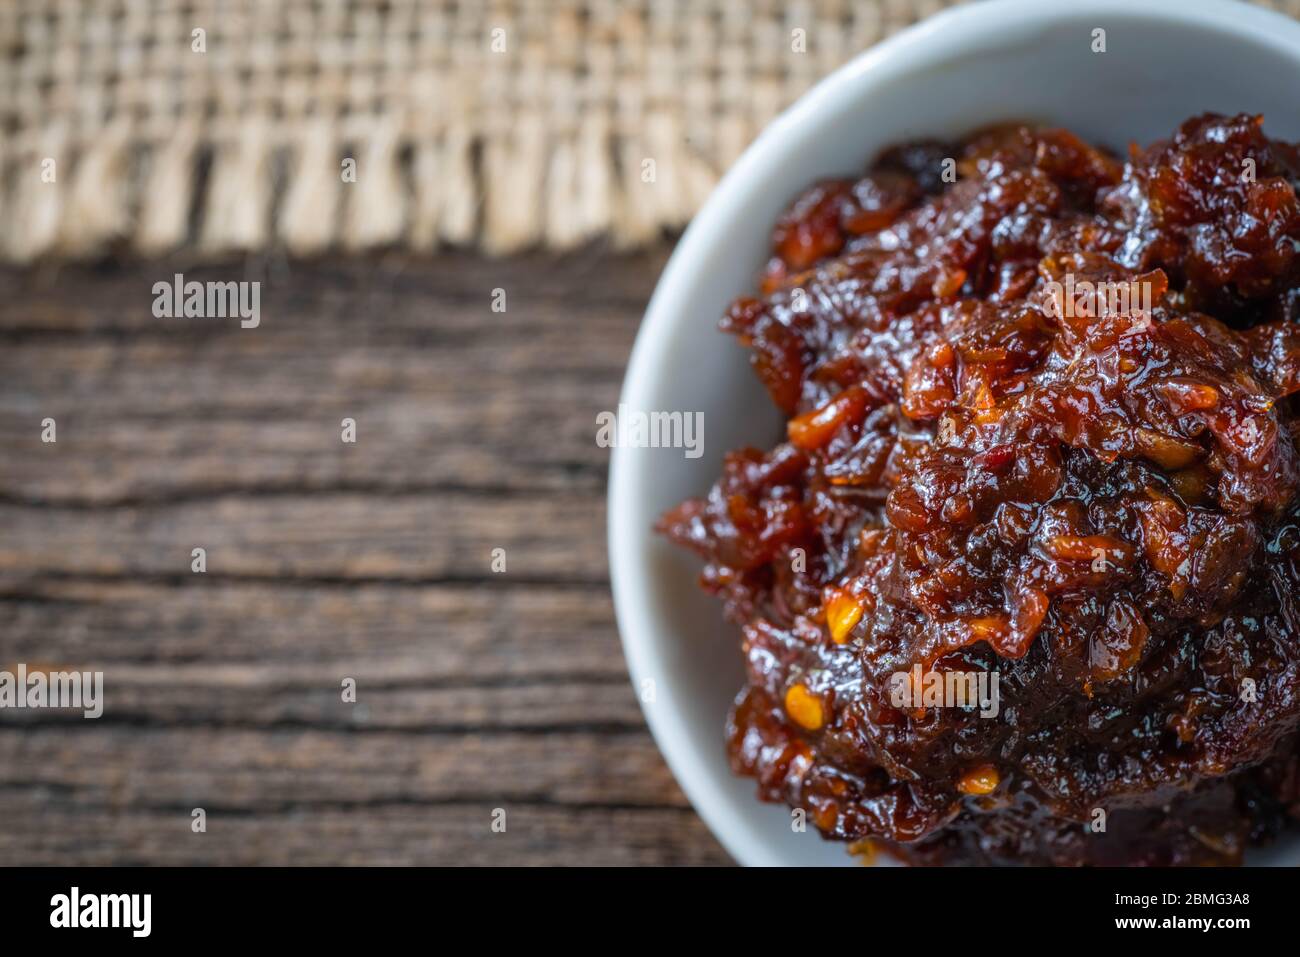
x: 387, y: 634
x: 413, y: 537
x: 239, y: 698
x: 536, y: 835
x: 99, y: 763
x: 444, y: 390
x: 475, y: 690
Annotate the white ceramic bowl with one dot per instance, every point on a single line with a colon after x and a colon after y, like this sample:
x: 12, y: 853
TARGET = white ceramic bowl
x: 995, y: 60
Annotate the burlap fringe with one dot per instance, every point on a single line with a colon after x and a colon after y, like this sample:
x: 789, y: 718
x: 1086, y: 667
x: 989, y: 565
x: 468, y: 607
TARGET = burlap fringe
x: 607, y: 118
x: 264, y: 189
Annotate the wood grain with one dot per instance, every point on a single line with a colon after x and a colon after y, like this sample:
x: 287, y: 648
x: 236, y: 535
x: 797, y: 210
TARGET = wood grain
x: 476, y: 690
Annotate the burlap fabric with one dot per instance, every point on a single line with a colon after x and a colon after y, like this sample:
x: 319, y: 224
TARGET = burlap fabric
x: 226, y: 125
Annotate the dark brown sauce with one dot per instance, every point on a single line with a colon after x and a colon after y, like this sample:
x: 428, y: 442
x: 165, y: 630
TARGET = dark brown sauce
x: 1093, y: 498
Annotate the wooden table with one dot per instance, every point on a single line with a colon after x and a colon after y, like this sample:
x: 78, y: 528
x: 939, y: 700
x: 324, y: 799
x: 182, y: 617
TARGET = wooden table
x: 476, y: 690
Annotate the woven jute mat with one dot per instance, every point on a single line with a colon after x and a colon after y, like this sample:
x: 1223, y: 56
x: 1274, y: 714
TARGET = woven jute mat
x: 221, y: 125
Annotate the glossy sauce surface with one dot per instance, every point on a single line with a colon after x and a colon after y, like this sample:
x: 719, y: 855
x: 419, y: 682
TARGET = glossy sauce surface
x: 1041, y: 426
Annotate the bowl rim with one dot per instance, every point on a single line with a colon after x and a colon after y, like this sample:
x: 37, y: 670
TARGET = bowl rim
x: 942, y: 37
